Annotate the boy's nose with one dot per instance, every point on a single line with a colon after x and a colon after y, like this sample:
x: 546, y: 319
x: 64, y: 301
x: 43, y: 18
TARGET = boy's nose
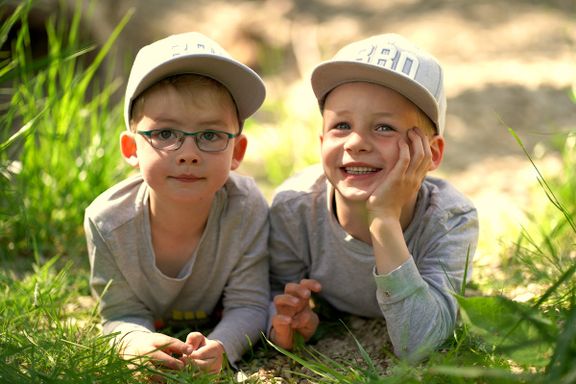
x: 357, y: 142
x: 188, y: 153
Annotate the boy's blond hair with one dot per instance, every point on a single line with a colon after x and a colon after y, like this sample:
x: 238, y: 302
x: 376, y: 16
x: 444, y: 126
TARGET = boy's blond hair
x: 185, y: 84
x: 193, y: 53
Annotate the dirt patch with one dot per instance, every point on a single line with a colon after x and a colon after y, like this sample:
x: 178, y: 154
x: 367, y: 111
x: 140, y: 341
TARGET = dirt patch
x: 338, y: 346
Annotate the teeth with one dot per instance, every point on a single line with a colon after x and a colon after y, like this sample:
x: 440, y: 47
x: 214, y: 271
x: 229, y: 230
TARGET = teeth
x: 360, y: 170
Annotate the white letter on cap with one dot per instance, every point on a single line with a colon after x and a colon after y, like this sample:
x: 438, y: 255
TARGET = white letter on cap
x: 186, y: 48
x: 390, y: 58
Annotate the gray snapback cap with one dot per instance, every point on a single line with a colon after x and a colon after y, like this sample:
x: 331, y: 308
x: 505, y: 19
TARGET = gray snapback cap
x: 194, y: 53
x: 392, y: 61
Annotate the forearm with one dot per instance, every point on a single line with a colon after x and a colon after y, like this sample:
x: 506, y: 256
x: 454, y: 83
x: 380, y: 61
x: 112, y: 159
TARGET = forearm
x: 239, y: 329
x: 126, y: 332
x: 419, y: 317
x: 126, y: 325
x: 390, y: 250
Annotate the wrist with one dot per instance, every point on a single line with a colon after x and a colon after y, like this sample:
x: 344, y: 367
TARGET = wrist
x: 383, y: 225
x: 221, y: 346
x: 390, y: 250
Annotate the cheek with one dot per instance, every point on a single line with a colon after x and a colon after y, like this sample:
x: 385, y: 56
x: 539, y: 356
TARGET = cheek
x: 329, y: 148
x: 150, y: 161
x: 389, y: 148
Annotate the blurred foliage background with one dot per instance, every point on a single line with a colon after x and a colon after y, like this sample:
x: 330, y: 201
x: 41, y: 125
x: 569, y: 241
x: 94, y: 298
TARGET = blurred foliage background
x: 511, y: 147
x: 507, y: 65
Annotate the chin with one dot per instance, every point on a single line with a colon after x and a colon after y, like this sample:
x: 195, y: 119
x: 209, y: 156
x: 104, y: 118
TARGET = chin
x: 353, y: 194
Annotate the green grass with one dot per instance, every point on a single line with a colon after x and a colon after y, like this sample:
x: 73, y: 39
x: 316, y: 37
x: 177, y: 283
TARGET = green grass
x: 58, y: 150
x: 45, y: 337
x: 48, y: 335
x: 66, y: 151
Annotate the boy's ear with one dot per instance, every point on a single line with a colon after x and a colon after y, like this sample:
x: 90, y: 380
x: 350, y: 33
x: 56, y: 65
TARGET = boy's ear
x: 437, y: 149
x: 128, y: 148
x: 240, y: 145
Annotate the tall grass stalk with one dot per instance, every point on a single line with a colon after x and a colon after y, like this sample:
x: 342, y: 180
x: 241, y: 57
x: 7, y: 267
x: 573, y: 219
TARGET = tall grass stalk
x: 66, y: 151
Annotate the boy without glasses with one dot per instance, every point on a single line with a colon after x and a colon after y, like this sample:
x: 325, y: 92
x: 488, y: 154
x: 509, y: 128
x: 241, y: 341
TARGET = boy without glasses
x: 372, y: 234
x: 182, y: 245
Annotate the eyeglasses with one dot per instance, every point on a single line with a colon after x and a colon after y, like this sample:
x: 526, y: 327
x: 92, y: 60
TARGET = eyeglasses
x: 169, y: 139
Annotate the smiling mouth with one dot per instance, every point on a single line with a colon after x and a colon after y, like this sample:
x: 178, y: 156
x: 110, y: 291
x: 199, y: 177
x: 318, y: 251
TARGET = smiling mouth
x: 360, y: 170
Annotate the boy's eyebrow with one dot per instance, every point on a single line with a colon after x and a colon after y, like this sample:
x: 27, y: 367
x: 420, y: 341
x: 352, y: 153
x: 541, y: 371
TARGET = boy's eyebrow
x: 175, y: 120
x: 218, y: 122
x: 162, y: 119
x: 348, y: 112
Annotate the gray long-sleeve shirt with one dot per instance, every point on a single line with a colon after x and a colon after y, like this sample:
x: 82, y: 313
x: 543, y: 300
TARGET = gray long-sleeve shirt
x: 229, y: 266
x: 306, y: 241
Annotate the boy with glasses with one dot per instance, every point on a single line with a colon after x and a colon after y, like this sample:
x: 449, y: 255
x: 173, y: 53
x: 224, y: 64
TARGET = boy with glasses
x: 182, y: 245
x: 372, y: 234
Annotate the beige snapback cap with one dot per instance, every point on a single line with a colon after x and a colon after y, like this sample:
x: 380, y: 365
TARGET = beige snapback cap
x: 392, y: 61
x: 194, y: 53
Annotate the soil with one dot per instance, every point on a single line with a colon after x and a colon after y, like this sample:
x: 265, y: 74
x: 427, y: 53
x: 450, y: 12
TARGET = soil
x: 507, y: 64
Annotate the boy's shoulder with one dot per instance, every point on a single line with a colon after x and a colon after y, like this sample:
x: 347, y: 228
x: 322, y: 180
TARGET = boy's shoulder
x: 118, y: 204
x: 243, y: 187
x: 439, y: 194
x: 310, y: 181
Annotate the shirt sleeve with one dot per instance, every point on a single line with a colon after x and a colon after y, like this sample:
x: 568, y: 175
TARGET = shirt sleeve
x: 289, y: 253
x: 247, y: 291
x: 416, y: 299
x: 120, y: 309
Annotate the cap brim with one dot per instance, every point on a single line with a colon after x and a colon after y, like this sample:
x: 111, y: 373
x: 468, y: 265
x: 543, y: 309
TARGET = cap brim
x: 329, y: 75
x: 245, y: 86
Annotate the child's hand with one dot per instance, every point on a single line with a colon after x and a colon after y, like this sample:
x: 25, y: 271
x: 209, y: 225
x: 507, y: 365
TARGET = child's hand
x: 391, y: 205
x: 293, y: 313
x: 208, y: 355
x: 157, y: 346
x: 400, y: 186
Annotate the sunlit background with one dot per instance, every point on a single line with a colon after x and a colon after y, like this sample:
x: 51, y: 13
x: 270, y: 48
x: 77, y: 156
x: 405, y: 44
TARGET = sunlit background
x: 509, y: 70
x: 508, y: 65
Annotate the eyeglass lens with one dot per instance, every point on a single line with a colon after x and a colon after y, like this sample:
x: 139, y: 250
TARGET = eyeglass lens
x: 207, y: 141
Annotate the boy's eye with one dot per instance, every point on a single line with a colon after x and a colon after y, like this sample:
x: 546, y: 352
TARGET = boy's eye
x: 384, y: 128
x: 163, y: 134
x: 211, y: 136
x: 342, y: 126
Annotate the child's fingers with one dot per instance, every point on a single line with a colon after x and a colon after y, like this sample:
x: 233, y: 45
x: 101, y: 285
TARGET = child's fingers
x: 306, y: 323
x: 196, y: 340
x: 403, y: 162
x: 297, y: 290
x: 209, y: 356
x: 282, y: 333
x: 311, y: 284
x: 287, y: 305
x: 210, y: 365
x: 161, y: 358
x: 296, y: 297
x: 420, y: 153
x: 303, y: 290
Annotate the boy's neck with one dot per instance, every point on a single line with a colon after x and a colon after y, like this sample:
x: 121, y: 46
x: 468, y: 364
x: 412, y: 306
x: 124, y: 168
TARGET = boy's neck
x: 354, y: 218
x: 179, y: 219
